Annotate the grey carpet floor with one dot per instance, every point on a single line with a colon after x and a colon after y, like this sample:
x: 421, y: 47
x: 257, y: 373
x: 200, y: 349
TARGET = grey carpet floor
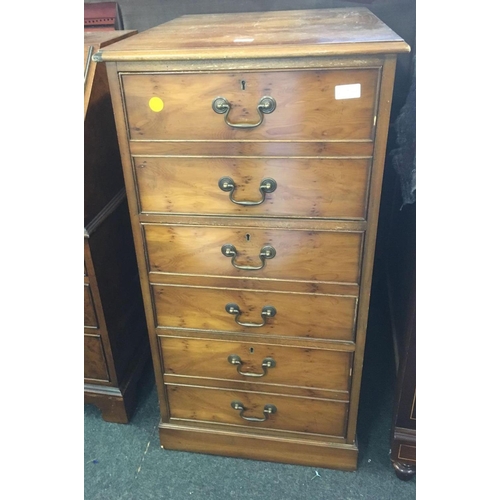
x: 126, y: 461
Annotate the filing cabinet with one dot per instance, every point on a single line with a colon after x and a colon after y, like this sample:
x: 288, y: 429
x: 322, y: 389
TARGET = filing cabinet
x: 253, y: 147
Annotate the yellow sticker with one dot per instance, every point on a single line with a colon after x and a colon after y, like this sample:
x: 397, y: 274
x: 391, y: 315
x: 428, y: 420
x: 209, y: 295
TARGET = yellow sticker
x: 156, y: 104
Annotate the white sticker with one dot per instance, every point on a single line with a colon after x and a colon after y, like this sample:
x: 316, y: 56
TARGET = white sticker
x: 351, y: 91
x: 245, y: 39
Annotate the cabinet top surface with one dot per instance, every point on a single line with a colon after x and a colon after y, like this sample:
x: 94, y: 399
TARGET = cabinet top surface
x: 345, y: 31
x: 93, y: 41
x: 103, y: 38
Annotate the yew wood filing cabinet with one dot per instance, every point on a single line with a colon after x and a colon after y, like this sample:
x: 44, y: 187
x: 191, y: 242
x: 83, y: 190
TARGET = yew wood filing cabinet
x: 253, y: 147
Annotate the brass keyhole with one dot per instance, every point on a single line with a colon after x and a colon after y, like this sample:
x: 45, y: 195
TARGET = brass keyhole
x: 247, y: 236
x: 243, y: 84
x: 251, y: 350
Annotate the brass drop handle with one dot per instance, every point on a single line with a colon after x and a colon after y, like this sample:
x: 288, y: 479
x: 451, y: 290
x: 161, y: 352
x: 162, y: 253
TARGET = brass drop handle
x: 234, y: 359
x: 267, y: 312
x: 222, y: 106
x: 268, y: 410
x: 267, y: 185
x: 266, y: 252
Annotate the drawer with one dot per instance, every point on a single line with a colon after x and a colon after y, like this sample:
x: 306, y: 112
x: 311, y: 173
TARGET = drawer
x: 317, y: 188
x: 262, y: 253
x: 95, y: 366
x: 254, y: 362
x: 89, y: 315
x: 296, y: 314
x: 318, y: 416
x: 311, y: 105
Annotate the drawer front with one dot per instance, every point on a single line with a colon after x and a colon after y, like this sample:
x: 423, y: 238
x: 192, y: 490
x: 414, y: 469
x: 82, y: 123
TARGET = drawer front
x: 314, y: 105
x: 317, y: 188
x: 407, y: 453
x: 297, y: 314
x: 243, y: 361
x: 95, y: 366
x: 89, y: 314
x: 249, y: 252
x: 309, y: 415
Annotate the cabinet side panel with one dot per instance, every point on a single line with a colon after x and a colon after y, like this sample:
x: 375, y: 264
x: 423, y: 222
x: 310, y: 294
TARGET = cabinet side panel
x: 383, y: 117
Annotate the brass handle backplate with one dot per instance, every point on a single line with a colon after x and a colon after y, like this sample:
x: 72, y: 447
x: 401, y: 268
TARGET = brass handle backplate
x: 234, y: 359
x: 267, y: 185
x: 222, y: 106
x: 268, y: 410
x: 266, y: 252
x: 267, y: 312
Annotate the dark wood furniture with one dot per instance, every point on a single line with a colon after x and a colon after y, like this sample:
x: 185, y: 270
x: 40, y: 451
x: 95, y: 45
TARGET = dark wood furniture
x: 115, y: 334
x: 404, y: 436
x: 401, y: 293
x: 396, y: 274
x: 102, y: 16
x: 253, y: 148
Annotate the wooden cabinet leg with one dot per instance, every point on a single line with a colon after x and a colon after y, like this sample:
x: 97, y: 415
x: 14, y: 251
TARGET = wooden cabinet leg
x: 404, y: 471
x: 113, y: 408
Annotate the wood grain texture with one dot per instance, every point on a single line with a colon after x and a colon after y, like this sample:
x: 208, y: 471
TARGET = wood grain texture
x: 296, y: 414
x: 95, y: 366
x: 300, y: 255
x: 250, y: 64
x: 336, y: 188
x: 118, y: 403
x: 328, y: 155
x: 298, y: 315
x: 312, y: 224
x: 89, y: 315
x: 319, y: 32
x: 350, y: 290
x: 247, y: 443
x: 261, y: 149
x: 256, y: 339
x: 304, y: 367
x: 306, y: 108
x: 385, y: 99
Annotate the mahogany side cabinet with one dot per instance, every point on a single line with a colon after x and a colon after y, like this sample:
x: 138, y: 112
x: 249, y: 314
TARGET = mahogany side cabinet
x: 401, y: 297
x: 116, y: 345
